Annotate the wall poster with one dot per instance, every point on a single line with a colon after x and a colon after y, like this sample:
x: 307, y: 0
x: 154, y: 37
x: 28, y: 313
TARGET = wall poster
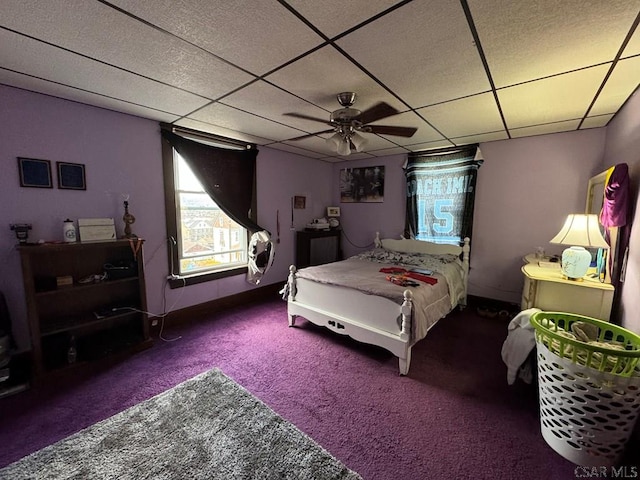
x: 364, y: 184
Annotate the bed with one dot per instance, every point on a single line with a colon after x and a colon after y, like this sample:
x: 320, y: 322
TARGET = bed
x: 355, y: 297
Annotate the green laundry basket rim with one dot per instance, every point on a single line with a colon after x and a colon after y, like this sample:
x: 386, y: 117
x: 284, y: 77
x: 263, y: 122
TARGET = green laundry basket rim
x: 630, y: 337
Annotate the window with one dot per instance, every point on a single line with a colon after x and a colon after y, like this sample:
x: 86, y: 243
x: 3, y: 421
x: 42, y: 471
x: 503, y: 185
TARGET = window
x: 440, y: 194
x: 209, y: 185
x: 205, y: 232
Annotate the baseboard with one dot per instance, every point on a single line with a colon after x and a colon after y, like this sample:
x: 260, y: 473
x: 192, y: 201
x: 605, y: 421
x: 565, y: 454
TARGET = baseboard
x: 195, y: 312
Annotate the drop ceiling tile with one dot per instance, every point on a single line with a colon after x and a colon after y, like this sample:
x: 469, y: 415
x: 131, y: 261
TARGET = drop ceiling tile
x: 299, y: 151
x: 321, y: 75
x: 221, y: 131
x: 553, y: 99
x: 418, y: 147
x: 596, y: 122
x: 24, y: 55
x: 239, y: 121
x: 480, y: 138
x: 565, y: 126
x: 105, y: 34
x: 271, y: 102
x: 633, y: 47
x: 332, y: 17
x: 523, y: 41
x: 622, y: 82
x: 433, y: 39
x: 257, y: 36
x: 466, y: 116
x: 81, y: 96
x: 384, y: 152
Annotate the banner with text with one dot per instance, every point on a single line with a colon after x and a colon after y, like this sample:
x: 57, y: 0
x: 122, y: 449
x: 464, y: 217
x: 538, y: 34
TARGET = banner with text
x: 440, y: 194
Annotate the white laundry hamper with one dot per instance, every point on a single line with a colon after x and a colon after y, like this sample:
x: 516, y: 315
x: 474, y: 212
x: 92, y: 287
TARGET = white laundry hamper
x: 589, y: 391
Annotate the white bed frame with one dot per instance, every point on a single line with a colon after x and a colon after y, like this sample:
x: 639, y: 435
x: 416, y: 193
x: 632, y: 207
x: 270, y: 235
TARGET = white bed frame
x: 363, y: 317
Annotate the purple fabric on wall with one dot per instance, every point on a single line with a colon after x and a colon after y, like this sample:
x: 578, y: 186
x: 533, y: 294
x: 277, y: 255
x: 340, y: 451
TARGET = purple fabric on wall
x: 615, y: 205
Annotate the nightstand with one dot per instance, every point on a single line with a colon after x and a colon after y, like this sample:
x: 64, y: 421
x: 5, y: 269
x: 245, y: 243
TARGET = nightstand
x: 547, y: 289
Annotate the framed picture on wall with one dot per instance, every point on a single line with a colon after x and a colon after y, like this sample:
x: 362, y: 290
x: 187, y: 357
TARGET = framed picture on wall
x: 34, y: 173
x: 333, y: 211
x: 362, y: 184
x: 299, y: 201
x: 71, y: 176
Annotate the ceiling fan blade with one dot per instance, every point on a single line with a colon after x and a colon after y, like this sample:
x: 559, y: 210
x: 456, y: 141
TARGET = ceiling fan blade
x: 306, y: 117
x: 310, y: 135
x: 391, y: 130
x: 377, y: 112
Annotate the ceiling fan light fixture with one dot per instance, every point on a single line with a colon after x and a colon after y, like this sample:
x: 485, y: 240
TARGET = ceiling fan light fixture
x: 358, y: 141
x: 334, y: 140
x: 344, y: 148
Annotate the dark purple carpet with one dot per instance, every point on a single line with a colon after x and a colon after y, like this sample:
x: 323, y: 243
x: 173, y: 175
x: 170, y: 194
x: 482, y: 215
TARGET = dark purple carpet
x: 453, y: 416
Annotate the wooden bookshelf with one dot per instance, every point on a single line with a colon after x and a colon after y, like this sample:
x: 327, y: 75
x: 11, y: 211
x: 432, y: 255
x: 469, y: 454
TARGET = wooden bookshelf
x: 99, y: 318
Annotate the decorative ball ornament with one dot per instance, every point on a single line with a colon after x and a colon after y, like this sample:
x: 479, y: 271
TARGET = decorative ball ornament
x: 575, y: 262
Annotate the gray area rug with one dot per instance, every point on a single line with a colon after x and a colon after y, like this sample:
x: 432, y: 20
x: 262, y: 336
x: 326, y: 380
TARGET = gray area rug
x: 207, y: 427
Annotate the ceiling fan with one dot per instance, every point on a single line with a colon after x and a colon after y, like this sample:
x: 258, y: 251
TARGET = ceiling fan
x: 348, y: 123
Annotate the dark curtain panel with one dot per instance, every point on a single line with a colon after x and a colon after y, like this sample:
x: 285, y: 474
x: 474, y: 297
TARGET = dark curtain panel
x: 226, y: 175
x: 441, y: 189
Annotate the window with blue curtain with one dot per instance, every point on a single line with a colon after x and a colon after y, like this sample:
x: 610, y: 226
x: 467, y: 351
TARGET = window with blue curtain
x: 441, y: 187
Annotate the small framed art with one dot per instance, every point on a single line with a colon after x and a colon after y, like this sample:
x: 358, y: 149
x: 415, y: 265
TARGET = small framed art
x: 34, y: 173
x: 71, y: 176
x: 299, y: 201
x: 333, y: 211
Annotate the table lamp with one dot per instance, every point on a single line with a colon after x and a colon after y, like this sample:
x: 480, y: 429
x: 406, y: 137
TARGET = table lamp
x: 579, y: 231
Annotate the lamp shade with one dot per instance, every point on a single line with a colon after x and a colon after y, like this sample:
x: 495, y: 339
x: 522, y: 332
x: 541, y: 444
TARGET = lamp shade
x: 579, y: 231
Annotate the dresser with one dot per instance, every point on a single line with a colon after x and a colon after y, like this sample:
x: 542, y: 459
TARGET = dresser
x: 547, y: 289
x: 315, y: 247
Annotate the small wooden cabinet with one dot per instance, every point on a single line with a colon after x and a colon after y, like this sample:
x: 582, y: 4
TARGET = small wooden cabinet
x: 71, y: 304
x: 547, y: 289
x: 315, y: 247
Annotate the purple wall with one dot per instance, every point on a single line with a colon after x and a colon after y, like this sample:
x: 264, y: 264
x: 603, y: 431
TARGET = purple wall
x: 525, y: 188
x: 122, y: 155
x: 623, y: 146
x: 361, y: 221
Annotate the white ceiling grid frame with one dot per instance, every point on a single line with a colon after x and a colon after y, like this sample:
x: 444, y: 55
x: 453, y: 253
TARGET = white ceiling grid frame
x: 333, y: 17
x: 633, y: 47
x: 544, y: 129
x: 221, y: 131
x: 82, y: 96
x: 523, y: 41
x: 465, y: 116
x: 264, y: 99
x: 239, y: 121
x: 416, y: 35
x: 622, y: 82
x: 93, y: 27
x: 596, y: 121
x: 270, y: 34
x: 332, y: 71
x: 479, y: 138
x: 536, y: 103
x: 70, y: 69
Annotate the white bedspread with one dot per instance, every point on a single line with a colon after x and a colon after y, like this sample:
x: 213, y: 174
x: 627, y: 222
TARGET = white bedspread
x: 430, y: 302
